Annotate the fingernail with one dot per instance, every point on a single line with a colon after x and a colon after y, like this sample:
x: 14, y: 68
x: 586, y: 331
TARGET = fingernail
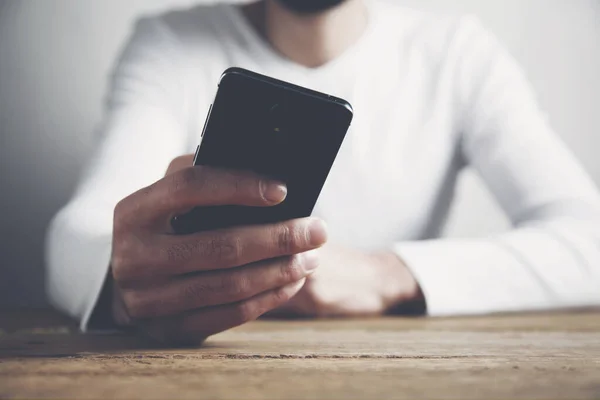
x: 310, y: 261
x: 317, y: 232
x: 273, y: 192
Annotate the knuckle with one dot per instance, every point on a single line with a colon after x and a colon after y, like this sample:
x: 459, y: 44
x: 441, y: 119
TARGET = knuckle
x: 192, y: 293
x: 198, y: 294
x: 119, y: 209
x: 291, y: 237
x: 282, y: 295
x: 181, y: 252
x: 173, y: 165
x: 127, y: 211
x: 119, y: 269
x: 240, y: 184
x: 125, y: 258
x: 285, y: 239
x: 138, y: 305
x: 186, y: 177
x: 245, y: 311
x: 120, y: 216
x: 234, y: 285
x: 122, y: 268
x: 217, y: 248
x: 225, y: 249
x: 147, y: 191
x: 179, y: 162
x: 292, y: 270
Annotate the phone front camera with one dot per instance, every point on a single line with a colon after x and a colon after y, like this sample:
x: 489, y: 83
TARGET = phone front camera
x: 276, y: 118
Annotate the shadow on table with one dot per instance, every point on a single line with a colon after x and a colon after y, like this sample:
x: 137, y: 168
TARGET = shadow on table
x: 69, y: 344
x: 48, y: 334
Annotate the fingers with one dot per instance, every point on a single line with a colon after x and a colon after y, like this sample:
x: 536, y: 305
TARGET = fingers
x: 180, y: 163
x: 168, y: 255
x: 220, y: 287
x: 194, y: 327
x: 189, y: 187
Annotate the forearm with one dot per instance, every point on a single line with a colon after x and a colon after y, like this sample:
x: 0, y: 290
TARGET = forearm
x: 544, y: 266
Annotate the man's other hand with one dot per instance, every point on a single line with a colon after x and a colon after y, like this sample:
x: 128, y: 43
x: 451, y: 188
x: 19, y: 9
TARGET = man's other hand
x: 353, y: 283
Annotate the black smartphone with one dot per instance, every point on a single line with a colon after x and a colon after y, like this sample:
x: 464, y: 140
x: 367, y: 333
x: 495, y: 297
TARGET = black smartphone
x: 273, y: 128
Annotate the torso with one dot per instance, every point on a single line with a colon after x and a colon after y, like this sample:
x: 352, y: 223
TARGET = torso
x: 395, y: 174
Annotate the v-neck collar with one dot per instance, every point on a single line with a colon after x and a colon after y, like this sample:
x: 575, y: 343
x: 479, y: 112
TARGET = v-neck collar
x: 259, y: 46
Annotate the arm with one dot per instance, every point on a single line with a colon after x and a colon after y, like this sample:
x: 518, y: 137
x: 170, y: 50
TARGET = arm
x: 552, y: 257
x: 141, y: 133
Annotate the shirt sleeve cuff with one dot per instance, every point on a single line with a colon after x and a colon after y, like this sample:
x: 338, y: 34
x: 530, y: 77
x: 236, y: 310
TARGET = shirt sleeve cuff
x: 78, y: 258
x: 462, y: 277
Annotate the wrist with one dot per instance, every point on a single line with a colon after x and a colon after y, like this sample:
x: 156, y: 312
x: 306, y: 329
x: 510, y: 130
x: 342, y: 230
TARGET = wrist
x: 398, y: 285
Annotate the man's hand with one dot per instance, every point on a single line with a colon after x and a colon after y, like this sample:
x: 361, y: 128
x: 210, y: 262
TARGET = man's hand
x: 186, y: 288
x: 353, y: 283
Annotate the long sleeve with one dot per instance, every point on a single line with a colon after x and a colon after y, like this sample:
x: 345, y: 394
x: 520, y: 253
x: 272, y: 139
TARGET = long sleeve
x: 141, y: 133
x: 551, y: 258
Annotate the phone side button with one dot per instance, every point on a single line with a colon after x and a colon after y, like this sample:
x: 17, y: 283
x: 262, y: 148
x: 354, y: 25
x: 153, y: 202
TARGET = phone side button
x: 206, y: 122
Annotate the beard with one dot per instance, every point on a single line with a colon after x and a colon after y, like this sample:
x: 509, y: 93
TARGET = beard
x: 309, y: 6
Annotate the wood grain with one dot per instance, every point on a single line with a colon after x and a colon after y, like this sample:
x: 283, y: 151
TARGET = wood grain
x: 550, y: 356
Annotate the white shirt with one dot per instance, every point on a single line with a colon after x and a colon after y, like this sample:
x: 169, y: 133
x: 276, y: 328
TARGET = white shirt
x: 431, y: 94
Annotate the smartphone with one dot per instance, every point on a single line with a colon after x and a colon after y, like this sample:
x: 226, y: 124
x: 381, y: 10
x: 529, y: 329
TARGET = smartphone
x: 274, y: 128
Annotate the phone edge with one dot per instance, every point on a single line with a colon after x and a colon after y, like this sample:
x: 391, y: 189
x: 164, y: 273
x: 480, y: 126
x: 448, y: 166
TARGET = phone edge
x: 288, y: 85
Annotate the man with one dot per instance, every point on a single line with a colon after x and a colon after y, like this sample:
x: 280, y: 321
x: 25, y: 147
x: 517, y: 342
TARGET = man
x: 431, y: 95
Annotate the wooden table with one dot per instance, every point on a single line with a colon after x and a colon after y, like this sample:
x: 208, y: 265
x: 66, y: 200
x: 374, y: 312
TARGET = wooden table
x: 550, y: 356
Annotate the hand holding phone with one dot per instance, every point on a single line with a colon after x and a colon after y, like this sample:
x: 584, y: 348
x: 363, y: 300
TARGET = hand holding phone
x: 245, y: 247
x: 183, y: 288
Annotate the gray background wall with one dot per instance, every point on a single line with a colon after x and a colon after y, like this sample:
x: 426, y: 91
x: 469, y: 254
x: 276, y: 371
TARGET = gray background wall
x: 55, y: 55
